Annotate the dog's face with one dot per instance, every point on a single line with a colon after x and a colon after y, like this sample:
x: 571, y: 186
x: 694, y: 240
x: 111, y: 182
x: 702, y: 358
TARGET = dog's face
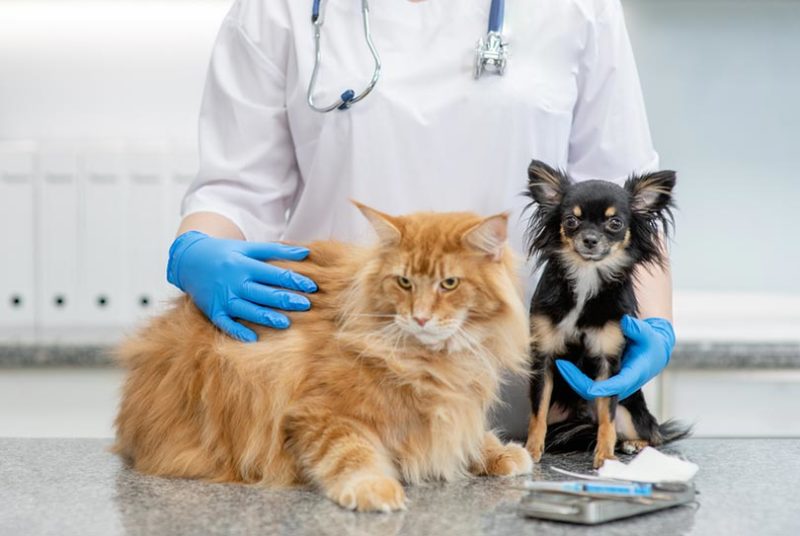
x: 599, y: 221
x: 595, y: 217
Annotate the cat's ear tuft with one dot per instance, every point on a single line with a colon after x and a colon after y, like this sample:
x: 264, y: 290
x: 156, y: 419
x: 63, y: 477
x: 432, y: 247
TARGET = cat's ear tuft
x: 387, y: 227
x: 651, y: 193
x: 489, y: 236
x: 546, y: 185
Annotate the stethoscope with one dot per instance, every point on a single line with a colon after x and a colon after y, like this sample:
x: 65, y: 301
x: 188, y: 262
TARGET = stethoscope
x: 491, y: 52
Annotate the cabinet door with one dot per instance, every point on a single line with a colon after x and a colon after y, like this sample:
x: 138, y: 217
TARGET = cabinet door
x: 734, y: 403
x: 58, y: 241
x: 148, y: 228
x: 103, y: 266
x: 17, y: 242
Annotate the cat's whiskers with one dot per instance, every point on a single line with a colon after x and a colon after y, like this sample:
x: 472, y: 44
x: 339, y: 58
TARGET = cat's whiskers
x: 477, y: 332
x: 469, y: 343
x: 385, y: 336
x: 464, y: 336
x: 475, y: 347
x: 349, y: 319
x: 399, y: 337
x: 435, y: 337
x: 390, y: 336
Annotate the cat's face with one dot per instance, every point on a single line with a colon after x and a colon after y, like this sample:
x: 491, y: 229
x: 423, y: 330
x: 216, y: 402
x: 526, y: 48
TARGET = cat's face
x: 436, y: 275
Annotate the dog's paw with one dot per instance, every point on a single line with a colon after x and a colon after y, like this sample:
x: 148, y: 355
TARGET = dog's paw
x: 535, y: 448
x: 512, y: 460
x: 601, y: 455
x: 371, y: 493
x: 633, y: 446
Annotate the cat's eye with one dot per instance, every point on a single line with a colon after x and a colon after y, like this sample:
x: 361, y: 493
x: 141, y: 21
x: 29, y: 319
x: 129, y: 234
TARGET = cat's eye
x: 571, y: 223
x: 404, y: 282
x: 450, y: 283
x: 614, y: 225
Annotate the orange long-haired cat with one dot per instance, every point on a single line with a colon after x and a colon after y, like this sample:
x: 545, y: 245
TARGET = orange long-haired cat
x: 387, y: 378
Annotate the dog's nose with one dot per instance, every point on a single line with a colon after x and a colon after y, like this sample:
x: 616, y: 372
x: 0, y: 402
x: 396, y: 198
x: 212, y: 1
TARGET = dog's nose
x: 590, y: 241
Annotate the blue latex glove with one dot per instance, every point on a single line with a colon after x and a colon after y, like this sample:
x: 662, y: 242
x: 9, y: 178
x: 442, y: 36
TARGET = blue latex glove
x: 650, y: 344
x: 227, y: 279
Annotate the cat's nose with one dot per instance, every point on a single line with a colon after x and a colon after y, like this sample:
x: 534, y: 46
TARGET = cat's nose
x: 421, y: 320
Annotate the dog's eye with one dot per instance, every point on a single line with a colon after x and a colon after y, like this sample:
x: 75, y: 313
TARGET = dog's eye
x: 571, y: 223
x: 450, y: 283
x: 404, y: 282
x: 614, y: 225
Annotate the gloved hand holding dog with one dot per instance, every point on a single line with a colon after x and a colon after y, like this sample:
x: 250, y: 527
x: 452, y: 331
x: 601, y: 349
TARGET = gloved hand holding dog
x: 649, y: 346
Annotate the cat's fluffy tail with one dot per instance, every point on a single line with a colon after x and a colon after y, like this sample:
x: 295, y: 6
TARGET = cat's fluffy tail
x: 577, y: 435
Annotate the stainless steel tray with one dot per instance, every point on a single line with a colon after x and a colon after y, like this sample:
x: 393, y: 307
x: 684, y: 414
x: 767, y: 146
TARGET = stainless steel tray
x: 594, y: 510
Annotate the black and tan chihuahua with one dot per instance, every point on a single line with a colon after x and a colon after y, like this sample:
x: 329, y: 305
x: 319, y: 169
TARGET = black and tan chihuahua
x: 590, y: 237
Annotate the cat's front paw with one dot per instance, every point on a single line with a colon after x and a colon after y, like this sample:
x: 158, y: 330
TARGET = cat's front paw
x: 371, y: 493
x: 512, y: 460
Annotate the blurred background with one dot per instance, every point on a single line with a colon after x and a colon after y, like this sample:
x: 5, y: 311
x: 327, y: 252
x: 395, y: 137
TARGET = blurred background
x: 98, y: 112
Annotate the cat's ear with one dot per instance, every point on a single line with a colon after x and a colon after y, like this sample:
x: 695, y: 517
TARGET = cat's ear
x: 386, y: 227
x: 489, y: 236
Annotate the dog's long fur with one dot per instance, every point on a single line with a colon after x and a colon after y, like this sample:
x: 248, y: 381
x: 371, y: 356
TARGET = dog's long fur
x: 589, y: 238
x: 355, y: 397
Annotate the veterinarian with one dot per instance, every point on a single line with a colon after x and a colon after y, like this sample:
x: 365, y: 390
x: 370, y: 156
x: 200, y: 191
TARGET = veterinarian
x: 418, y: 131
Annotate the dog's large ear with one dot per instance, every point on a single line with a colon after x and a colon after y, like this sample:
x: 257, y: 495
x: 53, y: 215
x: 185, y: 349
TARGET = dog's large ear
x: 651, y: 193
x: 546, y: 184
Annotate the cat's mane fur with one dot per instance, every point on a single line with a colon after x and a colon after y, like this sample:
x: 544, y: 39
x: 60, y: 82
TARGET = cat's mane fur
x: 198, y: 404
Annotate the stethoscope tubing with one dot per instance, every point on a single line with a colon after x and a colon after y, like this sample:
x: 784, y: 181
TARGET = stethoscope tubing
x: 496, y: 15
x: 348, y: 97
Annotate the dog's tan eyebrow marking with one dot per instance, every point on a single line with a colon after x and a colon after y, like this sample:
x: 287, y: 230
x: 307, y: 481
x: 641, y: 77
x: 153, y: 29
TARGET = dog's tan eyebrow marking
x: 611, y: 211
x: 577, y: 211
x: 564, y: 238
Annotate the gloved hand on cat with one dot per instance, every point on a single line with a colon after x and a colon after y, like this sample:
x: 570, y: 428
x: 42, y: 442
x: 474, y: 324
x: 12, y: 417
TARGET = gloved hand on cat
x: 227, y: 280
x: 650, y: 344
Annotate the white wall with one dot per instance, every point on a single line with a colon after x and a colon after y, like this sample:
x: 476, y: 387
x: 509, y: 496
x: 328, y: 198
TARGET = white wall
x: 104, y: 69
x: 722, y: 83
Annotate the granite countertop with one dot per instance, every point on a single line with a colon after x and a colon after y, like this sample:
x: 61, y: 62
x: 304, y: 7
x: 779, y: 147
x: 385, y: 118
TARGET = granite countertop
x: 687, y: 355
x: 75, y: 486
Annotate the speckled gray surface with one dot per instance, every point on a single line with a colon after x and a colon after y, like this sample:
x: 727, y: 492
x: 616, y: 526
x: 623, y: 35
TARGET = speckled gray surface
x: 688, y: 355
x: 716, y: 355
x: 56, y: 355
x: 74, y: 486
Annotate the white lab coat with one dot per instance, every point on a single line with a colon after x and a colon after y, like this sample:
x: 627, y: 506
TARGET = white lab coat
x: 429, y: 137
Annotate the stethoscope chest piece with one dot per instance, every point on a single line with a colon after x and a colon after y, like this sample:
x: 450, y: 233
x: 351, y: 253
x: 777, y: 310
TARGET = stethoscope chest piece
x: 491, y: 53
